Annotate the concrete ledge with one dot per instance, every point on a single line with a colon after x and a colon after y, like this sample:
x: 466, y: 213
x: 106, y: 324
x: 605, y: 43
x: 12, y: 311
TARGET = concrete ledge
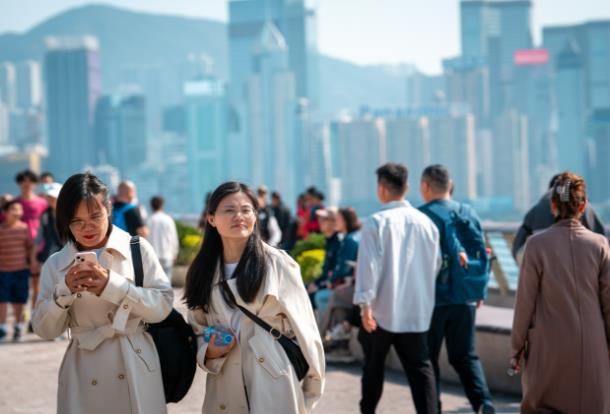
x: 499, y: 299
x: 493, y: 348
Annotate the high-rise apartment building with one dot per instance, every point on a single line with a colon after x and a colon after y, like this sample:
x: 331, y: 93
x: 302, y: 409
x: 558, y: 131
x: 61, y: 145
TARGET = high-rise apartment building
x: 72, y: 79
x: 206, y: 149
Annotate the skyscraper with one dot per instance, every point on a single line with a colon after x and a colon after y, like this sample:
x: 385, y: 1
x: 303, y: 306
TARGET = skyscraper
x: 493, y: 31
x: 313, y: 163
x: 8, y: 85
x: 467, y: 85
x: 133, y: 133
x: 72, y: 78
x: 296, y: 23
x: 207, y: 152
x: 106, y: 132
x: 272, y: 104
x: 572, y: 109
x: 535, y: 98
x: 452, y: 143
x: 477, y: 25
x: 247, y: 21
x: 407, y: 141
x: 4, y: 124
x: 511, y: 176
x: 592, y: 39
x: 360, y: 147
x: 29, y: 84
x: 600, y: 167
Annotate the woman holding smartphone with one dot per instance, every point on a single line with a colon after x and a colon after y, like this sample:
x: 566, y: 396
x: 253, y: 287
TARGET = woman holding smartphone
x: 252, y: 373
x: 111, y: 364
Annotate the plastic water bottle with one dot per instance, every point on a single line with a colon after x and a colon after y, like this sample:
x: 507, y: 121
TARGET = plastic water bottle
x: 223, y: 336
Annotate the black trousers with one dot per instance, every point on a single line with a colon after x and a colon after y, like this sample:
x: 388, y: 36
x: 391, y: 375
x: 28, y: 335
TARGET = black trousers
x: 455, y: 323
x: 412, y: 350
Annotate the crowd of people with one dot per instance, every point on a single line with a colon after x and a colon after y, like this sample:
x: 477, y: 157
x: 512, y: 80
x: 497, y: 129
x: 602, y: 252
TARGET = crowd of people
x: 29, y: 236
x: 406, y: 277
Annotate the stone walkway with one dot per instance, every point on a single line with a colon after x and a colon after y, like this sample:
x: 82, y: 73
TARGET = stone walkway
x: 28, y: 383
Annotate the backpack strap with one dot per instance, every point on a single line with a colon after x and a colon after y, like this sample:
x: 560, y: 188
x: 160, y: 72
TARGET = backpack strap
x: 442, y: 215
x: 136, y: 259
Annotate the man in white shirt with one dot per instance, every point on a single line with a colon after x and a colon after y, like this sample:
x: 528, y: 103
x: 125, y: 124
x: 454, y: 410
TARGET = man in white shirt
x: 398, y: 260
x: 163, y: 235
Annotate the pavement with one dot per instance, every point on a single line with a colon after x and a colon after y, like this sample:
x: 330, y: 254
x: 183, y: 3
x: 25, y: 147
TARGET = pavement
x: 28, y: 384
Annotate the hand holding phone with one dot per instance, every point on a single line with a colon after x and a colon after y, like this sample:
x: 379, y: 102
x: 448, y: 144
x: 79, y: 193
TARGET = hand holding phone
x: 86, y: 275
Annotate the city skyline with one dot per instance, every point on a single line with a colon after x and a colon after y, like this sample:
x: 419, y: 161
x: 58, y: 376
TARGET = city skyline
x: 396, y: 27
x: 504, y: 116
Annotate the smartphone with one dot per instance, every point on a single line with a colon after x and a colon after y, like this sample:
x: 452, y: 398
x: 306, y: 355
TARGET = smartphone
x: 82, y: 257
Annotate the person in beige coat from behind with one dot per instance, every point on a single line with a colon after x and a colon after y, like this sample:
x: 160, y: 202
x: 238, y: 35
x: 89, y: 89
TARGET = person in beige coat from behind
x: 251, y: 374
x: 111, y: 364
x: 561, y: 324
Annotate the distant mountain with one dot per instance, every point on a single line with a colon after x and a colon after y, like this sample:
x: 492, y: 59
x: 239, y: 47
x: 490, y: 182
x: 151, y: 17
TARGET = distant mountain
x: 131, y: 39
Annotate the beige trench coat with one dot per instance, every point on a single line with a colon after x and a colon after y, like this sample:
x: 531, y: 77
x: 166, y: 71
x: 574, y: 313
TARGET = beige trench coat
x: 257, y: 372
x: 562, y: 312
x: 111, y: 365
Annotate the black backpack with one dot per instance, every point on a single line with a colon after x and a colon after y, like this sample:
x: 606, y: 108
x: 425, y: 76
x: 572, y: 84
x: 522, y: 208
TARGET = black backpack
x: 174, y: 339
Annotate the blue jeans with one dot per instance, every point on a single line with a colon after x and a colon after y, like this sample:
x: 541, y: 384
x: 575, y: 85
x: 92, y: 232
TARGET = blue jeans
x: 455, y: 323
x: 322, y: 297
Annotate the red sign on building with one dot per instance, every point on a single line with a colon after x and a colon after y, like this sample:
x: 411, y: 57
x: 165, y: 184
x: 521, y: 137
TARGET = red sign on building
x: 529, y: 57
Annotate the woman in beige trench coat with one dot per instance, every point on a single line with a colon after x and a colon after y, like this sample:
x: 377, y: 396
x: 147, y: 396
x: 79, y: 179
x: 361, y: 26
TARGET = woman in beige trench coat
x: 252, y: 374
x: 561, y: 324
x: 111, y: 364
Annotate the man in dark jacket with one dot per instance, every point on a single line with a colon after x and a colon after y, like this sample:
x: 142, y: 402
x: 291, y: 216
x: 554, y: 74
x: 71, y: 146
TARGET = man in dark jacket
x: 453, y: 319
x: 284, y: 220
x: 540, y: 217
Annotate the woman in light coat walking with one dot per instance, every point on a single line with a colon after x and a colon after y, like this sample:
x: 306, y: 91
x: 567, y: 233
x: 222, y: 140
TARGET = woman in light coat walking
x: 252, y: 374
x: 111, y: 364
x: 561, y: 327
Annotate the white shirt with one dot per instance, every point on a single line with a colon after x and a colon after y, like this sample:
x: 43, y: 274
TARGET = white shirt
x: 163, y: 235
x: 398, y: 259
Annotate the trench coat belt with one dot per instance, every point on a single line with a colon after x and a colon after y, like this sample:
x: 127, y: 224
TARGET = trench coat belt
x: 91, y: 338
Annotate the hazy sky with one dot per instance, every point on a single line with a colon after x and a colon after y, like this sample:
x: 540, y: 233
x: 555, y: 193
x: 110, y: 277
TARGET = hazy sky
x: 361, y: 31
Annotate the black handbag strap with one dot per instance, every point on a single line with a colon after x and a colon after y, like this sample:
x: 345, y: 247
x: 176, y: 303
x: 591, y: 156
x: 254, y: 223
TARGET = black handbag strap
x: 274, y: 332
x: 136, y: 259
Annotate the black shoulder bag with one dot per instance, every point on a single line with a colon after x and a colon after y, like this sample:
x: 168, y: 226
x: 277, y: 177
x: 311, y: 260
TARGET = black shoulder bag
x: 174, y: 339
x: 291, y: 347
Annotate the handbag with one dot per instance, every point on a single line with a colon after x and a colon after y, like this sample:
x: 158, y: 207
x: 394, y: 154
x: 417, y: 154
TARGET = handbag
x: 174, y: 339
x: 290, y: 346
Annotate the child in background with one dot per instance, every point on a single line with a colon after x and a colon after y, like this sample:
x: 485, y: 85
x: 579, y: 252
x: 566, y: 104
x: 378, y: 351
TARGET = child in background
x: 4, y: 198
x: 17, y: 258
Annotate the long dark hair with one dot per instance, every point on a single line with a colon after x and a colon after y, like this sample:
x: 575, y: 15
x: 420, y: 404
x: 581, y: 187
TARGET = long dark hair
x: 250, y: 270
x: 78, y: 188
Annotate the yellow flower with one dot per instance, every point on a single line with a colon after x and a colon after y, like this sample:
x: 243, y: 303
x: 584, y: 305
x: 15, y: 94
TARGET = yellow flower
x: 311, y: 262
x: 191, y: 240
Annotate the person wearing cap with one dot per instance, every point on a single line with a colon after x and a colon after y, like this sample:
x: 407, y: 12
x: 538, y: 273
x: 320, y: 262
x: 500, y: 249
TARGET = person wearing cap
x: 318, y: 289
